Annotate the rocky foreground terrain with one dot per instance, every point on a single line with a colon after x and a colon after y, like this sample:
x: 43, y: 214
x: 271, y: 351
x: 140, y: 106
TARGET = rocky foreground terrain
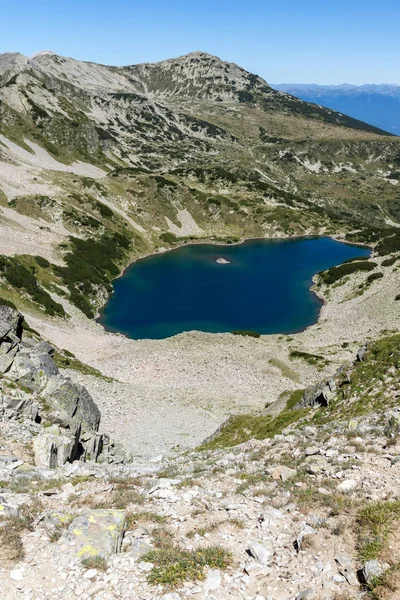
x: 299, y: 505
x: 204, y: 466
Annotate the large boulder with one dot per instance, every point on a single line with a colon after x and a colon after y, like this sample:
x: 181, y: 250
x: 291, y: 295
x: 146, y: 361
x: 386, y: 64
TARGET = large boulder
x: 53, y: 450
x: 19, y: 407
x: 33, y: 369
x: 7, y: 356
x: 64, y: 395
x: 10, y: 324
x: 10, y: 336
x: 319, y: 394
x: 97, y: 533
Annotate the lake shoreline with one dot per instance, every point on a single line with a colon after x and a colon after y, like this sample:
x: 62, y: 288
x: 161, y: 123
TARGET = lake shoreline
x: 176, y: 391
x: 210, y: 243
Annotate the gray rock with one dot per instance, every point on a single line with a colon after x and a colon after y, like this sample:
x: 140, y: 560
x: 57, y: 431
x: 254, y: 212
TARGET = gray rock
x: 97, y: 533
x: 312, y: 451
x: 53, y: 450
x: 138, y: 549
x: 33, y: 370
x: 262, y: 553
x: 370, y: 571
x: 283, y: 473
x: 361, y: 353
x: 346, y: 486
x: 319, y: 394
x: 306, y: 594
x: 10, y: 324
x: 8, y: 510
x: 7, y: 358
x: 346, y: 569
x: 75, y: 400
x: 212, y: 581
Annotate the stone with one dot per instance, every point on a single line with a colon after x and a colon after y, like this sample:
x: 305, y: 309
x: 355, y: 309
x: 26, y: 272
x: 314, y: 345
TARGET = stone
x: 7, y: 359
x: 90, y: 573
x: 145, y: 566
x: 313, y: 469
x: 33, y: 370
x: 306, y: 594
x: 171, y: 596
x: 212, y: 581
x: 283, y: 473
x: 312, y: 451
x: 346, y: 569
x: 319, y: 394
x: 307, y: 530
x: 10, y: 323
x: 347, y: 486
x: 370, y: 571
x: 17, y: 575
x: 361, y: 353
x: 52, y: 451
x: 7, y: 510
x: 262, y: 553
x: 75, y: 400
x: 138, y: 549
x: 97, y: 533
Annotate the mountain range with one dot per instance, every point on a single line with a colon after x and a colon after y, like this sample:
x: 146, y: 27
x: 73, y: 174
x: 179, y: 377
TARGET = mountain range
x: 378, y: 104
x: 201, y: 465
x: 151, y: 155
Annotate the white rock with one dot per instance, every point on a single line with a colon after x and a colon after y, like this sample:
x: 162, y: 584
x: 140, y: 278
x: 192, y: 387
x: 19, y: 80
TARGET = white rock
x: 212, y: 581
x: 17, y: 575
x: 263, y: 554
x: 145, y: 566
x: 347, y: 485
x: 90, y: 574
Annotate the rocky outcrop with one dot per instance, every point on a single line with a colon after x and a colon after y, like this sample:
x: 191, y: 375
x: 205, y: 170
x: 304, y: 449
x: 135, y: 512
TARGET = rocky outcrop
x: 73, y: 400
x: 10, y: 336
x: 34, y: 389
x: 10, y: 324
x: 321, y: 393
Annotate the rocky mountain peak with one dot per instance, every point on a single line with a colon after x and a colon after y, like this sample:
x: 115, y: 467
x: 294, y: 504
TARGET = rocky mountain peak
x: 197, y: 75
x: 43, y: 53
x: 12, y: 61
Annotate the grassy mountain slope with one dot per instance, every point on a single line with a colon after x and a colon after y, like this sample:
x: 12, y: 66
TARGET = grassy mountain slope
x: 155, y: 153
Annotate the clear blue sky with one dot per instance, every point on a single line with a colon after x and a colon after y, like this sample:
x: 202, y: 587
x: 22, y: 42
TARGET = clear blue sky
x: 319, y: 41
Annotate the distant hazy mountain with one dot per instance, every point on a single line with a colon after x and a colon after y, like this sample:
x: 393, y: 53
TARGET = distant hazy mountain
x: 378, y: 104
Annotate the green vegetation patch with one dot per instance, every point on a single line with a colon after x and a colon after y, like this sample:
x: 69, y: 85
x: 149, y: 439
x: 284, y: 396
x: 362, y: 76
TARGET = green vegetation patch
x: 374, y: 383
x: 335, y: 273
x: 92, y: 264
x: 173, y: 565
x: 388, y: 262
x: 376, y: 522
x: 23, y: 278
x: 66, y: 360
x: 246, y: 333
x: 240, y: 428
x: 168, y: 237
x: 374, y: 277
x: 311, y: 359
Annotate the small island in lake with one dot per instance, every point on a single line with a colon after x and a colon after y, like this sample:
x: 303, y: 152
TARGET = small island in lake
x: 223, y: 261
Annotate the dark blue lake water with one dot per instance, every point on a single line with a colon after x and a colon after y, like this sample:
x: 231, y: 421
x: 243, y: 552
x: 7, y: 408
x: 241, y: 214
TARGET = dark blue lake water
x: 265, y: 288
